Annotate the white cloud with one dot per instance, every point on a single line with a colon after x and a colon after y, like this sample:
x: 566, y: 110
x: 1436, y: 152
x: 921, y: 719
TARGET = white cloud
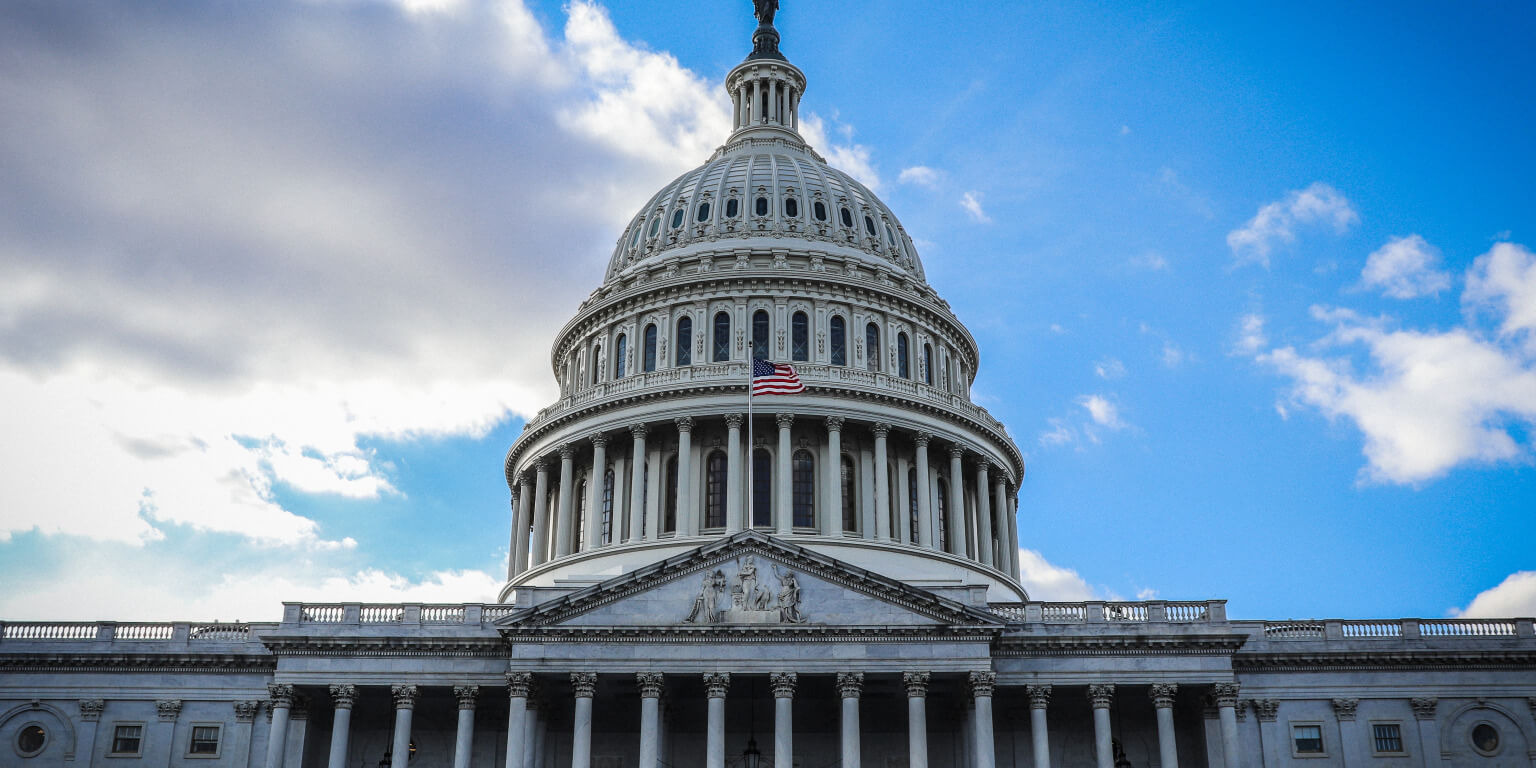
x: 851, y: 158
x: 1103, y: 412
x: 1174, y: 356
x: 1080, y: 429
x: 1043, y: 580
x: 1405, y: 268
x: 1151, y: 260
x: 1125, y: 130
x: 971, y: 202
x: 921, y: 175
x: 1250, y: 334
x: 1515, y: 596
x: 1109, y: 368
x: 1276, y: 222
x: 1058, y: 434
x: 1502, y: 282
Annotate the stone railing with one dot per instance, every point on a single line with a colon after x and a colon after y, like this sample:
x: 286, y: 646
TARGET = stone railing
x: 112, y: 631
x: 1389, y: 629
x: 473, y: 614
x: 1101, y: 612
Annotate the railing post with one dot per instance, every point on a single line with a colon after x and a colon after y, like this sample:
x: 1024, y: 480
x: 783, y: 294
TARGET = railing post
x: 352, y: 613
x: 2, y: 630
x: 293, y: 613
x: 1034, y: 612
x: 473, y: 614
x: 411, y: 613
x: 106, y: 631
x: 1410, y: 629
x: 1216, y: 611
x: 1157, y: 610
x: 1094, y: 611
x: 1524, y: 628
x: 181, y: 632
x: 1333, y: 629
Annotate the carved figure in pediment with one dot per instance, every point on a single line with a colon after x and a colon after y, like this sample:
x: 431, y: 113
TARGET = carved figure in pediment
x: 789, y: 598
x: 706, y: 607
x: 752, y: 597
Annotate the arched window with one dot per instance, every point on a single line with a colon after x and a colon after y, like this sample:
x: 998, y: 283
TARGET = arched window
x: 941, y: 514
x: 869, y: 226
x: 619, y: 348
x: 872, y: 351
x: 890, y: 235
x: 669, y: 517
x: 760, y: 335
x: 820, y: 209
x: 761, y: 206
x: 799, y: 337
x: 762, y: 488
x: 597, y: 364
x: 722, y: 336
x: 928, y: 364
x: 677, y: 218
x: 791, y: 207
x: 949, y: 379
x: 608, y: 507
x: 847, y: 217
x: 635, y: 240
x: 849, y: 483
x: 714, y: 490
x: 903, y: 368
x: 912, y: 504
x: 732, y: 208
x: 684, y: 341
x: 804, y: 480
x: 650, y: 347
x: 839, y: 334
x: 581, y: 517
x: 703, y: 211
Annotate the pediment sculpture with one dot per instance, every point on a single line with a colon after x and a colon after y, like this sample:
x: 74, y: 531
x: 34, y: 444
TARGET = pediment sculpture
x: 743, y: 599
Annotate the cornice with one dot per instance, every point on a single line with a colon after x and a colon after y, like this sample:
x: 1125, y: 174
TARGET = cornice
x: 136, y: 662
x: 1224, y: 645
x: 751, y: 634
x: 1366, y: 661
x: 373, y: 647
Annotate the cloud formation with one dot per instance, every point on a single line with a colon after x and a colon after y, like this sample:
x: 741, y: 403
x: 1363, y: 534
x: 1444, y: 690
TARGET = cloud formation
x: 1044, y: 580
x: 1515, y: 596
x: 971, y: 202
x: 1405, y: 268
x: 921, y: 175
x: 1277, y: 222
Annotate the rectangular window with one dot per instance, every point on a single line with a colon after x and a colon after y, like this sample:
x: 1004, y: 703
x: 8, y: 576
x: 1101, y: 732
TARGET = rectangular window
x: 1387, y: 737
x: 1308, y: 739
x: 204, y: 741
x: 127, y: 739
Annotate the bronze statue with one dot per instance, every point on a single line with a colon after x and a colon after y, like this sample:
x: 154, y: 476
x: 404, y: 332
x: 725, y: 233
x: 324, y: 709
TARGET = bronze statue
x: 764, y: 10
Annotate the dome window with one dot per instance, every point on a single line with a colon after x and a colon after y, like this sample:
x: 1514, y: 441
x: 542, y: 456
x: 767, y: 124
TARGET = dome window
x: 872, y: 348
x: 760, y: 335
x: 703, y: 212
x: 685, y: 341
x: 649, y: 361
x: 890, y: 235
x: 621, y: 347
x: 732, y: 208
x: 848, y: 485
x: 655, y: 226
x: 903, y: 360
x: 722, y: 336
x: 847, y: 217
x: 762, y: 488
x: 597, y: 364
x: 761, y: 206
x: 677, y: 218
x: 800, y: 337
x: 792, y: 207
x: 803, y: 483
x: 635, y: 241
x: 928, y: 364
x: 869, y: 226
x: 820, y: 210
x: 839, y: 334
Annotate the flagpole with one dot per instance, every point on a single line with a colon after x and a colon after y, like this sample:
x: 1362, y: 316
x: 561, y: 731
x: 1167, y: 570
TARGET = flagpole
x: 751, y: 458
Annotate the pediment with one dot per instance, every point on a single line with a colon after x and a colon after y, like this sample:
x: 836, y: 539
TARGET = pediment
x: 749, y: 581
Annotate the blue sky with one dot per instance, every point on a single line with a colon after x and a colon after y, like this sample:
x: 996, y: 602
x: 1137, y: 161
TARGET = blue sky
x: 1253, y: 285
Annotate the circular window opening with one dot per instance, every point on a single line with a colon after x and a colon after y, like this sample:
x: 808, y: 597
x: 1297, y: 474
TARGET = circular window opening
x: 31, y: 740
x: 1485, y: 738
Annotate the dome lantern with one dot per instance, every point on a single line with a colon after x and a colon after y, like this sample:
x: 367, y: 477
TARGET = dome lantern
x: 765, y: 89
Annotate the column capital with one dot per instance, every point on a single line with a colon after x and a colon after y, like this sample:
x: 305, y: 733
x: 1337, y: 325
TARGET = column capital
x: 1266, y: 709
x: 916, y: 684
x: 1163, y: 694
x: 982, y: 683
x: 683, y: 423
x: 519, y: 685
x: 1424, y: 707
x: 281, y: 694
x: 567, y: 451
x: 245, y: 711
x: 598, y: 440
x: 1344, y: 709
x: 922, y: 439
x: 1225, y: 694
x: 783, y: 684
x: 1242, y: 710
x: 880, y: 430
x: 466, y: 694
x: 835, y: 423
x: 404, y: 695
x: 717, y: 683
x: 1101, y: 696
x: 342, y: 696
x: 1039, y: 696
x: 90, y: 709
x: 956, y: 451
x: 639, y: 431
x: 168, y: 710
x: 583, y: 684
x: 651, y: 684
x: 540, y: 467
x: 983, y: 464
x: 850, y: 684
x: 734, y: 420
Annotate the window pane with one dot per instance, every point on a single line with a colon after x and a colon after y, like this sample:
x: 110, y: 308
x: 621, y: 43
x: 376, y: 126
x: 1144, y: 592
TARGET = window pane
x: 607, y: 507
x: 872, y: 351
x: 669, y: 520
x: 1388, y: 736
x: 850, y: 508
x: 791, y: 207
x: 618, y: 358
x: 677, y: 218
x: 205, y: 740
x: 820, y: 210
x: 805, y: 489
x: 685, y: 341
x: 761, y: 206
x: 800, y: 337
x: 1309, y: 738
x: 941, y: 514
x: 714, y: 491
x: 125, y: 739
x: 722, y: 337
x: 762, y: 488
x: 912, y: 503
x: 847, y: 217
x: 703, y: 211
x: 839, y: 341
x: 903, y: 367
x: 760, y: 335
x: 732, y: 207
x: 597, y: 363
x: 650, y: 348
x: 928, y: 364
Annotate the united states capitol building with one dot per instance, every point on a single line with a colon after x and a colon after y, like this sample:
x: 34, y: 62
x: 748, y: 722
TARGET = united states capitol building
x: 830, y: 580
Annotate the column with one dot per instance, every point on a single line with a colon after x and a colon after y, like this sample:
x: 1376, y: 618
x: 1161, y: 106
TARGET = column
x: 782, y: 511
x: 637, y: 483
x: 1226, y: 705
x: 773, y: 102
x: 518, y: 684
x: 1429, y: 729
x: 167, y: 711
x: 653, y: 489
x: 1167, y: 748
x: 984, y: 547
x: 464, y: 737
x: 342, y: 697
x: 783, y: 716
x: 90, y: 715
x: 1007, y: 548
x: 916, y: 684
x: 521, y: 522
x: 564, y: 524
x: 1265, y: 710
x: 281, y: 695
x: 956, y: 509
x: 650, y: 685
x: 757, y: 116
x: 687, y: 510
x: 533, y: 734
x: 245, y: 724
x: 982, y: 685
x: 882, y: 483
x: 583, y: 687
x: 715, y: 685
x: 512, y: 565
x: 405, y: 704
x: 1344, y: 713
x: 833, y: 521
x: 540, y: 544
x: 849, y: 686
x: 924, y: 507
x: 593, y: 520
x: 1013, y: 525
x: 1101, y: 696
x: 1039, y: 699
x: 733, y: 500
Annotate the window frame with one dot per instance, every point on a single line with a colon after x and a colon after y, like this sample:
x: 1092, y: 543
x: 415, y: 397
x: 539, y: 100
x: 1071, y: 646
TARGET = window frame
x: 113, y: 751
x: 1402, y: 743
x: 799, y: 336
x: 927, y: 364
x: 874, y: 354
x: 703, y: 212
x: 669, y: 510
x: 218, y: 741
x: 720, y: 332
x: 903, y: 356
x: 762, y: 488
x: 1322, y: 739
x: 684, y: 341
x: 651, y: 337
x: 762, y: 346
x: 715, y: 479
x: 41, y: 748
x: 620, y: 355
x: 802, y: 488
x: 848, y: 494
x: 837, y: 331
x: 609, y: 479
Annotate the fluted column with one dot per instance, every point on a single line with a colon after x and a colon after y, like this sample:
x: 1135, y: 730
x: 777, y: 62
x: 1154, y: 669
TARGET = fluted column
x: 518, y: 684
x: 882, y: 483
x: 1167, y: 748
x: 512, y: 546
x: 924, y: 504
x: 833, y: 522
x: 1007, y: 548
x: 540, y: 544
x: 583, y: 687
x: 522, y: 522
x: 1102, y: 696
x: 281, y: 695
x: 687, y: 508
x: 342, y: 697
x: 849, y: 686
x: 733, y: 500
x: 715, y: 686
x: 637, y: 483
x: 464, y: 736
x: 1225, y: 695
x: 983, y: 513
x: 982, y: 685
x: 592, y: 521
x: 1040, y: 737
x: 916, y: 684
x: 957, y: 500
x: 564, y: 527
x: 782, y: 511
x: 783, y: 716
x: 650, y: 685
x: 405, y: 705
x: 533, y: 733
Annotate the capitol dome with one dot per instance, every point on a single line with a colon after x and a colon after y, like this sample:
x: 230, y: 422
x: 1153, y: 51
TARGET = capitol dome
x: 765, y: 252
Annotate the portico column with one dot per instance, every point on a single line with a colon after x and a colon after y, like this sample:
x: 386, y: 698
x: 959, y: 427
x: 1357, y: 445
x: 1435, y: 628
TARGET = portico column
x: 1013, y: 525
x: 592, y: 522
x: 882, y: 483
x: 715, y: 685
x: 1007, y: 548
x: 686, y: 509
x: 983, y: 513
x: 833, y: 522
x: 650, y: 685
x: 342, y: 696
x: 956, y: 509
x: 1429, y: 729
x: 512, y: 547
x: 1102, y: 696
x: 849, y: 686
x: 405, y: 704
x: 522, y: 522
x: 1226, y: 707
x: 518, y: 684
x: 982, y: 685
x: 733, y: 506
x: 924, y: 507
x: 564, y: 528
x: 583, y: 686
x: 783, y: 717
x: 1167, y: 747
x: 1039, y: 699
x: 540, y: 545
x: 917, y: 718
x: 637, y: 483
x: 533, y: 733
x: 464, y: 737
x: 782, y: 512
x: 281, y: 695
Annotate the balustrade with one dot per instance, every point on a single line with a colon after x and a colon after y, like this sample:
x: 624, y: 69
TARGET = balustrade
x: 1372, y: 629
x: 144, y: 631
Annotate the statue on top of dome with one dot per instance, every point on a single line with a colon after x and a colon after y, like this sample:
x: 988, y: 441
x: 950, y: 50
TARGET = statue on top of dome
x: 764, y: 10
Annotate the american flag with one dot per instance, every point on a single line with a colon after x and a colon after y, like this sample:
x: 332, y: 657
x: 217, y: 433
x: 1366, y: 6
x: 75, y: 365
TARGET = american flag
x: 774, y: 379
